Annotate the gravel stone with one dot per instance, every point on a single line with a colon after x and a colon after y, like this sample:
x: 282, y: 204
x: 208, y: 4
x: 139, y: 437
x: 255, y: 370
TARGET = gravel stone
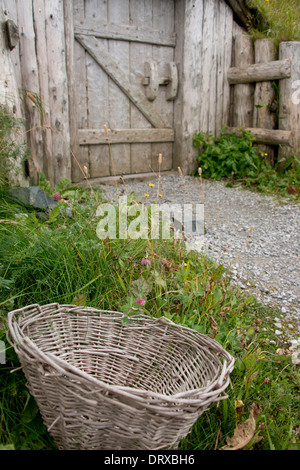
x: 255, y: 236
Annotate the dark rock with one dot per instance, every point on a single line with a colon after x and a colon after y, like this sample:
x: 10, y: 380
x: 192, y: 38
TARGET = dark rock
x: 33, y: 196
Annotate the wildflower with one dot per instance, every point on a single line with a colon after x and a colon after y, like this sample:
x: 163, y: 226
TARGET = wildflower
x: 166, y: 263
x: 141, y: 301
x: 145, y: 261
x: 160, y: 195
x: 146, y: 195
x: 134, y: 263
x: 57, y: 197
x: 151, y: 184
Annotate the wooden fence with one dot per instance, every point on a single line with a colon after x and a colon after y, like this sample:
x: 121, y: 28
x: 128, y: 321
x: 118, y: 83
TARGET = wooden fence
x: 79, y: 94
x: 46, y: 61
x: 264, y: 95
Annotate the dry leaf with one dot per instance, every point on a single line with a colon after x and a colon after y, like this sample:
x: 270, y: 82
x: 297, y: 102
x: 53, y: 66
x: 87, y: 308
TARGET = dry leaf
x: 167, y: 264
x: 292, y: 190
x: 244, y: 432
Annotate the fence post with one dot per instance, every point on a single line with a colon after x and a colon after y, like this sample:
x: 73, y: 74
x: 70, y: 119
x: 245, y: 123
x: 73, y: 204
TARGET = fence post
x: 289, y: 92
x: 243, y: 93
x: 263, y: 117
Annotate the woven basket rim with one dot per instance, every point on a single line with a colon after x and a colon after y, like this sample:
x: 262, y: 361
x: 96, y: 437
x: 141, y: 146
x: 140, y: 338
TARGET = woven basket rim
x: 19, y: 340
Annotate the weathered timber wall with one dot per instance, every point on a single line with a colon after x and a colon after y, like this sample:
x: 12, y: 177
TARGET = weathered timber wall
x: 10, y: 84
x: 42, y: 64
x: 35, y: 73
x: 205, y: 31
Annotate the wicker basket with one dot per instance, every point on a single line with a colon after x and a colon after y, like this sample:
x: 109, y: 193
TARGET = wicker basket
x: 103, y: 384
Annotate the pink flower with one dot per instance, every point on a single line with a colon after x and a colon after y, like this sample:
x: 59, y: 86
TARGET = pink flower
x: 57, y: 197
x: 141, y: 301
x: 134, y: 263
x: 145, y: 261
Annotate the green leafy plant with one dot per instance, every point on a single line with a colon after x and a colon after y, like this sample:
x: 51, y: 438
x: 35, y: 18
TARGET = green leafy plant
x: 66, y: 262
x: 227, y: 155
x: 242, y: 163
x: 61, y: 187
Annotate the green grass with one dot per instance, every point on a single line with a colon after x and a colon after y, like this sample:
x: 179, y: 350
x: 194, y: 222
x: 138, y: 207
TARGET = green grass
x: 239, y: 162
x: 282, y: 20
x: 62, y: 260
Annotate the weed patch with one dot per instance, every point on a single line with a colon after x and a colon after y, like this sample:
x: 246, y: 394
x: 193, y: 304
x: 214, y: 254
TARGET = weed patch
x: 282, y: 20
x: 241, y: 163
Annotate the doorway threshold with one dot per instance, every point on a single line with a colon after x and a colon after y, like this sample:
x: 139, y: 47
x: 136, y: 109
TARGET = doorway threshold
x: 130, y: 178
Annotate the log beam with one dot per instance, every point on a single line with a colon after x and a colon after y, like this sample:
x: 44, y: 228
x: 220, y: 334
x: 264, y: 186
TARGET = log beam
x: 265, y: 136
x: 124, y: 136
x: 275, y: 70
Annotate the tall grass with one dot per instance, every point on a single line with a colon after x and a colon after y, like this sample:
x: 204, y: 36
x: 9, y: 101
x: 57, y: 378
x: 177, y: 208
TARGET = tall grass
x: 62, y: 260
x: 282, y: 20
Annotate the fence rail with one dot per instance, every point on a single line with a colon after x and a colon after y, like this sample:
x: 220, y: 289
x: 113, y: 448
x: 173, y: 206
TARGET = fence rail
x: 255, y: 102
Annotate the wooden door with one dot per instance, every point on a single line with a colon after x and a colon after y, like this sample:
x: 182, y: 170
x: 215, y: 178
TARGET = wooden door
x: 125, y: 79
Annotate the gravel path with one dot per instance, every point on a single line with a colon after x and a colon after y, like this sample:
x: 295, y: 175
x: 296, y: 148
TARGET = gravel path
x: 254, y: 235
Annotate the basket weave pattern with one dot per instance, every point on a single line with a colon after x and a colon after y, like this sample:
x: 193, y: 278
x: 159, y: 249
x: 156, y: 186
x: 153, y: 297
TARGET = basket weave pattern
x: 102, y: 384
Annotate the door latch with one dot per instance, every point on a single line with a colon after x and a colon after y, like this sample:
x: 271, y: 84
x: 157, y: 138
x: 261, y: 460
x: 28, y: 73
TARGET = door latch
x: 152, y: 81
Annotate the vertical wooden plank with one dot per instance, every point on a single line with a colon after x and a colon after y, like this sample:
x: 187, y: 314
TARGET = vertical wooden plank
x: 41, y: 47
x: 208, y: 83
x: 58, y: 89
x: 81, y: 95
x: 140, y: 15
x: 30, y: 81
x: 119, y: 105
x: 194, y: 98
x: 289, y: 110
x: 220, y: 60
x: 243, y: 94
x: 180, y: 28
x: 97, y: 96
x: 10, y: 83
x: 163, y: 20
x: 205, y: 59
x: 228, y: 45
x: 10, y: 9
x: 236, y: 31
x: 70, y: 65
x: 265, y: 51
x: 213, y: 13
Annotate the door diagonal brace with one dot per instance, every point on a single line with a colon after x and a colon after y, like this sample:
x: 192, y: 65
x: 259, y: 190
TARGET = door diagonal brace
x: 114, y: 71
